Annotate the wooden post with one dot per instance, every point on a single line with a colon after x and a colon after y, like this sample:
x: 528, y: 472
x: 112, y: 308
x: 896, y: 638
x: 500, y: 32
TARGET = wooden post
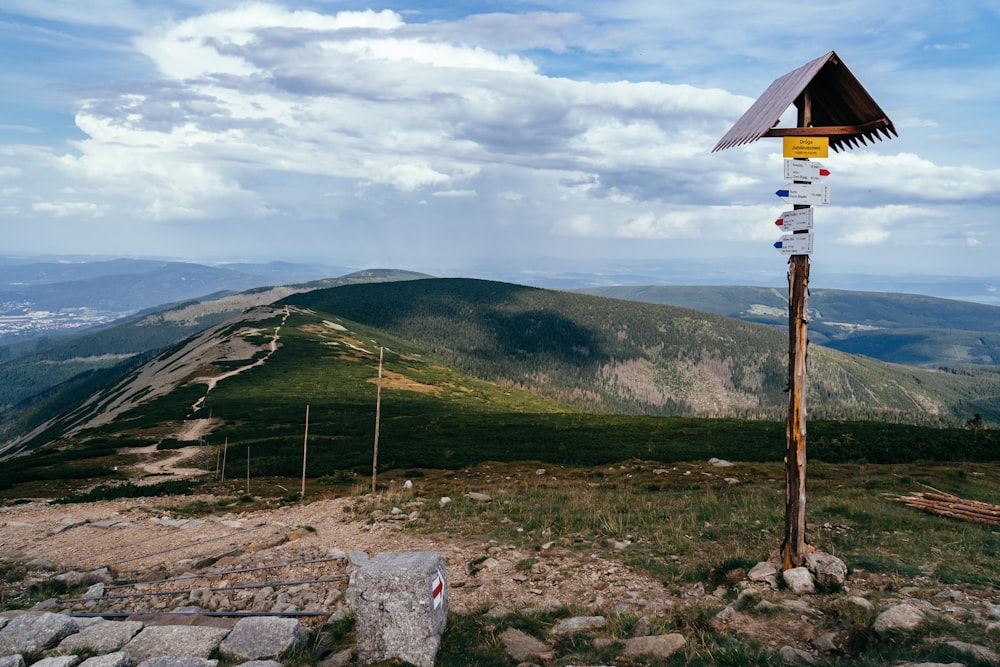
x: 794, y: 546
x: 305, y: 445
x: 378, y: 410
x: 225, y: 446
x: 248, y: 470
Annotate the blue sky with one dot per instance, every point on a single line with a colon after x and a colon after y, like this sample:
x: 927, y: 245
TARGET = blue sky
x: 446, y: 136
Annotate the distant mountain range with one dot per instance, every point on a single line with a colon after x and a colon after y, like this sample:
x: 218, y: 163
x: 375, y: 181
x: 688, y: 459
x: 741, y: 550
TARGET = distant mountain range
x: 900, y: 328
x: 50, y: 297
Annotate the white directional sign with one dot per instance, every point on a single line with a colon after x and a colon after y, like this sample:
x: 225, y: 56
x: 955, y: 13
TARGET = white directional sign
x: 795, y: 244
x: 793, y: 221
x: 804, y: 170
x: 805, y: 193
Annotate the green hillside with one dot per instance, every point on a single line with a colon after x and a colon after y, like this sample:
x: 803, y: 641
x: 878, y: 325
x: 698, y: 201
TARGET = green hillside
x: 246, y: 383
x: 900, y: 328
x: 626, y: 357
x: 40, y: 380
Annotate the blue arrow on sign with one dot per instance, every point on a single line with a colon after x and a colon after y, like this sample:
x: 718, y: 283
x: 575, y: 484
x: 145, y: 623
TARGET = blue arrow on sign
x: 805, y: 193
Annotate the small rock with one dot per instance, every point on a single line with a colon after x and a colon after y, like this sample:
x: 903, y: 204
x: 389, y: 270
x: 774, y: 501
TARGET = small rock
x: 830, y: 571
x: 297, y: 534
x: 765, y: 606
x: 444, y: 501
x: 898, y: 617
x: 479, y: 497
x: 95, y: 591
x: 695, y: 590
x: 520, y: 646
x: 827, y: 642
x: 338, y: 659
x: 801, y: 606
x: 799, y: 580
x: 720, y: 463
x: 764, y: 572
x: 795, y: 656
x: 859, y: 601
x: 727, y: 614
x: 641, y: 628
x: 407, y: 484
x: 980, y: 652
x: 657, y: 646
x: 949, y: 594
x: 578, y: 624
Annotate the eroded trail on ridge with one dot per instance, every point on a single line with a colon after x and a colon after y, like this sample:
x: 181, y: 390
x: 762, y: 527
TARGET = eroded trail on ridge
x: 272, y: 347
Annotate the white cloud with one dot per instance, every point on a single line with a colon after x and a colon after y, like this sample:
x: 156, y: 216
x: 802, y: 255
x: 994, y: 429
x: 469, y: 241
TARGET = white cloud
x: 536, y: 125
x: 909, y: 175
x: 67, y: 209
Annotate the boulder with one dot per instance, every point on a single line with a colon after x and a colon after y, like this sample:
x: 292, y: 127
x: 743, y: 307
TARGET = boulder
x: 829, y: 571
x: 170, y: 661
x: 175, y: 640
x: 116, y: 659
x: 30, y: 632
x: 58, y: 661
x: 262, y: 637
x: 103, y: 637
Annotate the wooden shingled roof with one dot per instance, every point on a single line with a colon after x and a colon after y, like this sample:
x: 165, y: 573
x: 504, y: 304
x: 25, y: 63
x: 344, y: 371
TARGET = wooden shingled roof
x: 838, y: 108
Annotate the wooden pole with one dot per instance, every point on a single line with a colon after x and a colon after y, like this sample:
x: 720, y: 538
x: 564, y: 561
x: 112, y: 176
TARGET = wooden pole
x: 794, y: 547
x: 248, y: 469
x: 225, y: 446
x: 378, y: 410
x: 305, y: 445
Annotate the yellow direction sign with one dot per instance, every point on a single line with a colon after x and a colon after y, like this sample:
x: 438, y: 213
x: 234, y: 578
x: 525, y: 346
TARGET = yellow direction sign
x: 804, y: 147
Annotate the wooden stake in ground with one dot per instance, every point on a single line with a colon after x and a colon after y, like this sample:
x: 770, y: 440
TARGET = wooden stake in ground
x: 378, y: 410
x: 225, y: 446
x: 305, y: 445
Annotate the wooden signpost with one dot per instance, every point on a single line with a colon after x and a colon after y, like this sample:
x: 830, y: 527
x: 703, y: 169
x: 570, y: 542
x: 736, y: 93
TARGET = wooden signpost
x: 834, y: 111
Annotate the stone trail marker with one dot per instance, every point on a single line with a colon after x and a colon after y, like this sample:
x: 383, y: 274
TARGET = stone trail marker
x: 401, y: 607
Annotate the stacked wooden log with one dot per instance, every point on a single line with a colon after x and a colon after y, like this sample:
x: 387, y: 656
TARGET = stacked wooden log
x: 944, y: 504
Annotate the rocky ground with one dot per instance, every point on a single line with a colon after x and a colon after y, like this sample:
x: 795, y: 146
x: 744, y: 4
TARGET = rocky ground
x: 293, y: 560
